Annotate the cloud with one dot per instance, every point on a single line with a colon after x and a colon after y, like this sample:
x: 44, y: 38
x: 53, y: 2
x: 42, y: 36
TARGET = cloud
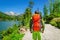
x: 12, y: 13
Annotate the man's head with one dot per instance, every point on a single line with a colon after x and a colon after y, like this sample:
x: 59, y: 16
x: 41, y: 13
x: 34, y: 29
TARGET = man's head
x: 36, y: 12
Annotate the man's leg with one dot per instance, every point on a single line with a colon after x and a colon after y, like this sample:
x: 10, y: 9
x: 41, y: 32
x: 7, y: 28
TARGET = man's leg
x: 34, y: 35
x: 39, y: 35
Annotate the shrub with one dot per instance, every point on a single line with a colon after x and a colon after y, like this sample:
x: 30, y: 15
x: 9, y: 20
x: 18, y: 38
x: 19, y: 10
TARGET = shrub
x: 58, y: 25
x: 12, y: 34
x: 55, y: 22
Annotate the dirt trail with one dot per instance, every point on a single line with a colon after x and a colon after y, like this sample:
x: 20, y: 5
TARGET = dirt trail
x: 50, y: 33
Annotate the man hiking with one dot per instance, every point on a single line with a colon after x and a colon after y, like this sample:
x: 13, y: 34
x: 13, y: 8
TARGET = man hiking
x: 35, y: 26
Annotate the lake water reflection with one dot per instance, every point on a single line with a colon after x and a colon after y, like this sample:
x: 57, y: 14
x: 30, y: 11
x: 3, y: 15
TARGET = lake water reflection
x: 6, y: 24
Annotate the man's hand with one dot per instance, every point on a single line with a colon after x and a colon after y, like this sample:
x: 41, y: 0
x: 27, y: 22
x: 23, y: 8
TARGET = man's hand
x: 31, y: 31
x: 42, y: 31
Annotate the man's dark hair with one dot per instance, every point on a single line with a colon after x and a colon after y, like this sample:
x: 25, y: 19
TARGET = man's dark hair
x: 36, y: 12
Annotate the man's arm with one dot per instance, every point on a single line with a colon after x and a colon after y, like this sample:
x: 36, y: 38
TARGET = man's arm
x: 43, y: 26
x: 31, y: 25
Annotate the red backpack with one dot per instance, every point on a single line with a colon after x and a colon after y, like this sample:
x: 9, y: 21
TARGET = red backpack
x: 36, y: 22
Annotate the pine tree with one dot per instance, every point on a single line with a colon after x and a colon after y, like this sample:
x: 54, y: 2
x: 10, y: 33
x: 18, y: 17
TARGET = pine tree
x: 56, y: 8
x: 45, y: 12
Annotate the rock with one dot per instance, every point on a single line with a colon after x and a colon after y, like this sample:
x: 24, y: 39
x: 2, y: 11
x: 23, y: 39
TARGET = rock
x: 22, y: 30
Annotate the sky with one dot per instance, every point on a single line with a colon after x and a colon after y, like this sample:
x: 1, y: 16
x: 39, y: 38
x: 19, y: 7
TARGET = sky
x: 19, y: 6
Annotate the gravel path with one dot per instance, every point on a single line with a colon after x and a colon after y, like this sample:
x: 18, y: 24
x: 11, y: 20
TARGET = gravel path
x: 50, y: 33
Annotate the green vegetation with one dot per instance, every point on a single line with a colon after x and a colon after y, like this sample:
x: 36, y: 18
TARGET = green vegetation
x: 23, y: 18
x: 51, y: 15
x: 5, y: 17
x: 11, y: 34
x: 26, y: 16
x: 55, y: 22
x: 54, y: 10
x: 45, y: 13
x: 51, y: 12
